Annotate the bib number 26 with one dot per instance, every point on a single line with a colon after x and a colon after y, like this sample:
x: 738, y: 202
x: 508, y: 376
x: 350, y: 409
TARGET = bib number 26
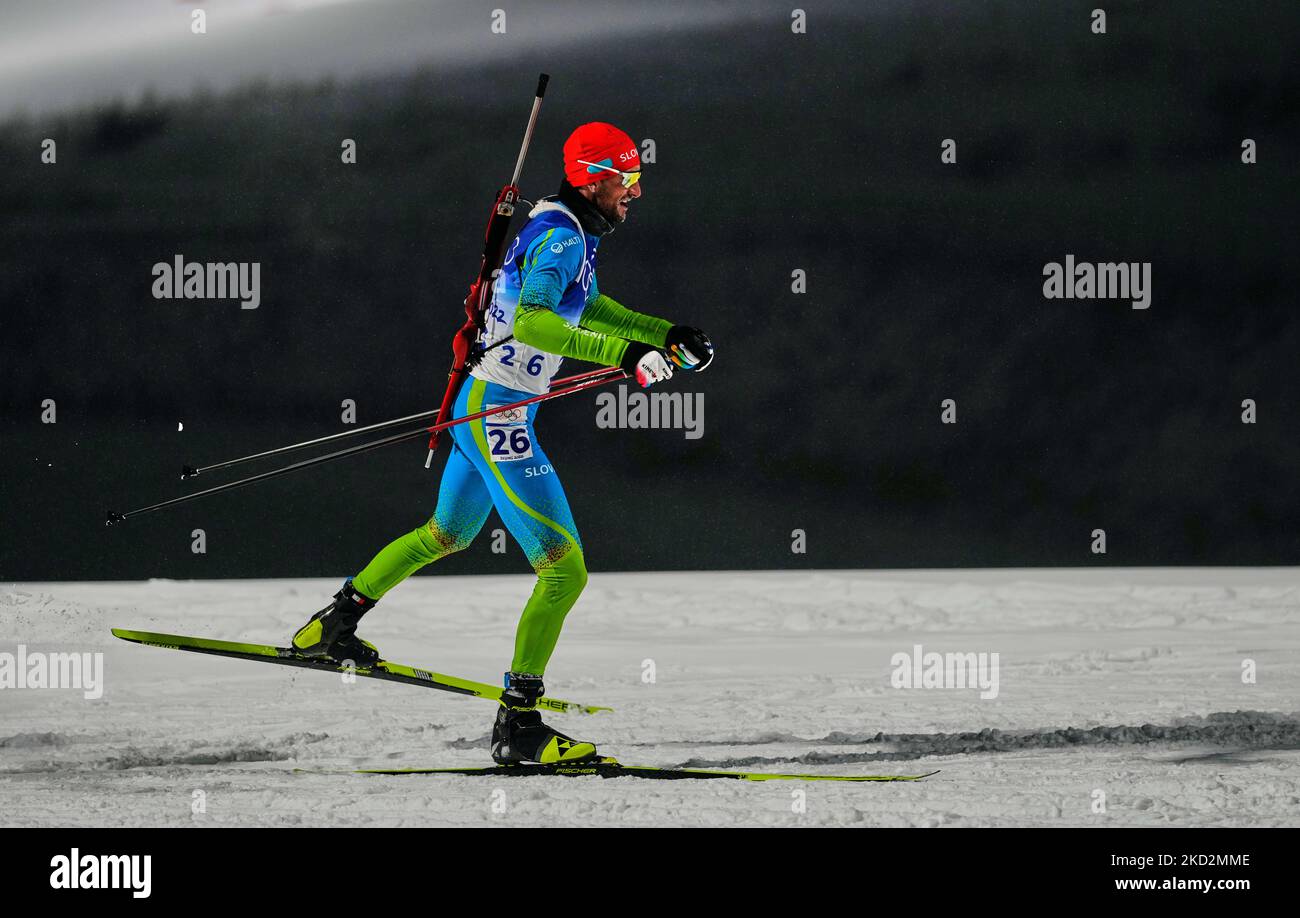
x: 535, y: 364
x: 507, y: 436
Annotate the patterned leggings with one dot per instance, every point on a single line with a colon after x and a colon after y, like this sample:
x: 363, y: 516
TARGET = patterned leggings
x: 497, y: 462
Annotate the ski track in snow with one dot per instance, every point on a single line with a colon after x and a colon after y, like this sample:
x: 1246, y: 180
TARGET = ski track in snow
x: 1125, y: 681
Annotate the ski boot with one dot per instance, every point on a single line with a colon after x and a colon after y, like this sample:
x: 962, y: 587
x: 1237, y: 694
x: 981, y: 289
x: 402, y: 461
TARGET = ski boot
x: 519, y: 734
x: 332, y: 632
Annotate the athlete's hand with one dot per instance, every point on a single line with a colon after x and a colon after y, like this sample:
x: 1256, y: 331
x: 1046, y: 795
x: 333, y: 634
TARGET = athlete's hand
x: 689, y: 348
x: 645, y: 364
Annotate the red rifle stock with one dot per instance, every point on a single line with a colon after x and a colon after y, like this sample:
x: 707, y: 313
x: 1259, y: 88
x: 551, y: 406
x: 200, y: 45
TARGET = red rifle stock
x: 480, y: 292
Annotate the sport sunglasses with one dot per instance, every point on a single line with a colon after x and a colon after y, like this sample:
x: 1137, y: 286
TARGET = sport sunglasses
x: 629, y: 178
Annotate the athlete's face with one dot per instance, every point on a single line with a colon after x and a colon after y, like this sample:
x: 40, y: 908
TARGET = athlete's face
x: 612, y: 199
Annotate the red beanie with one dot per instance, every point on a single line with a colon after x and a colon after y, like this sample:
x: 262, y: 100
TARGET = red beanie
x: 600, y: 143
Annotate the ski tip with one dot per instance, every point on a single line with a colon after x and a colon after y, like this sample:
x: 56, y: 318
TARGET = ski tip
x: 593, y: 709
x: 134, y: 637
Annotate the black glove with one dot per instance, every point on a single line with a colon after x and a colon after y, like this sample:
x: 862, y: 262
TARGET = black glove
x: 689, y: 348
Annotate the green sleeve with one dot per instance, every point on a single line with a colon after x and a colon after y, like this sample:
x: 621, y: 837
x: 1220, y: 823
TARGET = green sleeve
x: 605, y: 314
x: 539, y: 327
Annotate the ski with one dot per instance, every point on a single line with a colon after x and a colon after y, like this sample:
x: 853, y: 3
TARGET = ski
x: 610, y: 768
x: 388, y: 671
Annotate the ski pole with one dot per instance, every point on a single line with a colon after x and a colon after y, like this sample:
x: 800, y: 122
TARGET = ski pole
x: 584, y: 381
x: 189, y: 471
x: 274, y: 473
x: 594, y: 378
x: 587, y: 381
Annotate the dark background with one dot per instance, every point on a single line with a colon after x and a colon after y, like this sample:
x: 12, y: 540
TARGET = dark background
x: 775, y: 152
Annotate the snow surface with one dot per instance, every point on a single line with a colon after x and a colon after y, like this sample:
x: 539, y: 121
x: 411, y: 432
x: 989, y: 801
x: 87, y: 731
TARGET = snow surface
x: 1121, y: 681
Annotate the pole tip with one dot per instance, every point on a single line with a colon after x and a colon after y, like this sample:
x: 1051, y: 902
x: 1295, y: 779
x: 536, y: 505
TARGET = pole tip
x: 188, y: 471
x: 114, y: 518
x: 541, y: 84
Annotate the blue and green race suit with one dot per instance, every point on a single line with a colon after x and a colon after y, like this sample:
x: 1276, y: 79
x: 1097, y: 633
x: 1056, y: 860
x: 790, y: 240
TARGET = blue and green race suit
x: 545, y: 306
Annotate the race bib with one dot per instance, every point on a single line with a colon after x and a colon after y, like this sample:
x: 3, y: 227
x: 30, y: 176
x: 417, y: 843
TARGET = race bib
x: 507, y: 434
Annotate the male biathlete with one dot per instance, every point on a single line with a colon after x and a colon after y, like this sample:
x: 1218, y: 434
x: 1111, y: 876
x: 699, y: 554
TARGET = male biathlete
x: 545, y: 306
